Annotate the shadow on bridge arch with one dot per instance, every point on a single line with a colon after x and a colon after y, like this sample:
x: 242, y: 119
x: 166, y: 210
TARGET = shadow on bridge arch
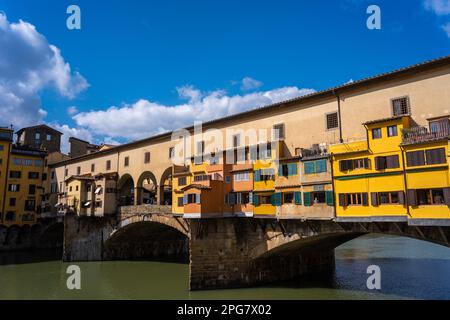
x: 155, y: 238
x: 147, y: 189
x: 125, y: 190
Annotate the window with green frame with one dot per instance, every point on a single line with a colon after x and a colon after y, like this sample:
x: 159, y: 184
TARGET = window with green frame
x: 315, y: 166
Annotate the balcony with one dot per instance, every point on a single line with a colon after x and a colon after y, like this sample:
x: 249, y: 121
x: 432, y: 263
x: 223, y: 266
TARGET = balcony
x: 422, y: 134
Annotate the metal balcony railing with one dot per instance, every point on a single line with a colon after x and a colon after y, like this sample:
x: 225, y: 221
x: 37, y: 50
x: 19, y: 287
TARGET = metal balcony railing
x: 422, y: 134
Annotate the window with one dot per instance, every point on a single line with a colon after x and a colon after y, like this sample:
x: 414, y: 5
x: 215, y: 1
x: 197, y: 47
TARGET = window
x: 14, y: 187
x: 44, y: 176
x: 318, y: 197
x: 389, y: 162
x: 27, y: 162
x: 200, y: 147
x: 192, y: 198
x: 180, y: 201
x: 12, y: 202
x: 49, y: 137
x: 10, y: 216
x: 435, y: 156
x: 376, y: 133
x: 76, y: 188
x: 126, y: 161
x: 30, y: 205
x: 98, y: 204
x: 288, y: 198
x: 392, y: 131
x: 347, y: 165
x: 278, y: 131
x: 182, y: 181
x: 108, y: 164
x: 79, y: 170
x: 227, y: 179
x: 415, y: 158
x: 66, y: 172
x: 388, y: 198
x: 242, y: 176
x: 33, y: 175
x: 37, y: 163
x: 171, y: 152
x: 430, y: 197
x: 1, y: 148
x: 265, y: 151
x: 92, y: 167
x: 147, y: 157
x: 441, y: 125
x: 316, y: 166
x: 289, y: 169
x: 264, y: 175
x: 236, y: 140
x: 202, y: 177
x: 265, y: 200
x: 31, y: 189
x: 15, y: 174
x: 37, y: 136
x: 400, y: 106
x: 332, y: 121
x: 53, y: 175
x: 353, y: 199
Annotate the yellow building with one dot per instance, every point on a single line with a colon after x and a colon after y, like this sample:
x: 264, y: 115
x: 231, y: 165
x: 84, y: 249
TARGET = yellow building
x: 6, y: 136
x: 399, y: 172
x: 24, y: 189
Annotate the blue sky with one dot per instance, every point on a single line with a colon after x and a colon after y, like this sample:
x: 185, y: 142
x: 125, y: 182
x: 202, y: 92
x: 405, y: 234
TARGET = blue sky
x: 141, y: 67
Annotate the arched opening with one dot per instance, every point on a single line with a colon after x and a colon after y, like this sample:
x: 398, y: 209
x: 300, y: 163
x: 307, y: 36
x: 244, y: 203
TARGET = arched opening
x: 125, y: 189
x: 147, y: 240
x: 147, y: 188
x: 166, y: 187
x: 52, y: 237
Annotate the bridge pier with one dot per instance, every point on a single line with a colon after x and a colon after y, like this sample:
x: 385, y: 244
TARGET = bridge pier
x: 235, y: 252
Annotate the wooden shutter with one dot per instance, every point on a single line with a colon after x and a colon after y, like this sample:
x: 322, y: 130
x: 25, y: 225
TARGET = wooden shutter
x: 366, y: 163
x: 392, y: 162
x: 401, y: 197
x: 257, y: 175
x: 298, y: 198
x: 412, y: 198
x: 343, y: 165
x: 342, y: 200
x: 321, y: 166
x: 447, y: 196
x: 280, y: 170
x: 256, y: 200
x: 330, y: 198
x: 365, y: 199
x: 276, y: 199
x: 307, y: 199
x: 232, y: 198
x: 292, y: 169
x: 374, y: 199
x: 309, y: 167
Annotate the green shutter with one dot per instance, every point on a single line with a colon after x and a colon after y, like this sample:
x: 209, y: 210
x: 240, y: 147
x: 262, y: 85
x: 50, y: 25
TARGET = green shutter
x: 309, y: 167
x: 257, y: 175
x: 255, y: 200
x: 330, y: 200
x: 292, y: 169
x: 276, y: 199
x: 298, y: 198
x: 280, y: 170
x: 321, y: 166
x: 307, y: 199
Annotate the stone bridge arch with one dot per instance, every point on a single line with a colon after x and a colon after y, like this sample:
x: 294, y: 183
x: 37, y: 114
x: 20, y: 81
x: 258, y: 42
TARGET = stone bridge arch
x: 126, y: 190
x: 151, y: 236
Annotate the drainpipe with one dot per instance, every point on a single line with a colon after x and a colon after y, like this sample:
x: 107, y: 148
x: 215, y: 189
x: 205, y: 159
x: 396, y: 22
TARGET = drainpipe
x: 333, y: 188
x: 341, y: 140
x: 6, y: 183
x: 405, y: 181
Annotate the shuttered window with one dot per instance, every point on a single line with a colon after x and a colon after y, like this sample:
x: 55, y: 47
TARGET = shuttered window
x: 287, y: 170
x: 316, y: 166
x: 436, y: 156
x: 389, y: 162
x: 415, y: 158
x: 307, y: 199
x: 276, y: 199
x: 256, y: 200
x: 298, y: 198
x: 330, y: 198
x: 342, y: 200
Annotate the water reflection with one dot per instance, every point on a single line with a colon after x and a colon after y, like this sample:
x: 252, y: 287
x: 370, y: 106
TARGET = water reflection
x: 410, y: 269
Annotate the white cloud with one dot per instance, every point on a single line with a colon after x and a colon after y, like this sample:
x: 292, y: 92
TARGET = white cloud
x: 80, y: 133
x: 28, y: 65
x: 446, y: 28
x: 439, y: 7
x: 250, y: 84
x: 72, y: 110
x: 145, y: 118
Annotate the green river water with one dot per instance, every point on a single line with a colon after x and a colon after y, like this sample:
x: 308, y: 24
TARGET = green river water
x: 410, y: 269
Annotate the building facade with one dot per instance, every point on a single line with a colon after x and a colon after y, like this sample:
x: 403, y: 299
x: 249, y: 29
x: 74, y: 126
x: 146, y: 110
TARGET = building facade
x: 299, y: 175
